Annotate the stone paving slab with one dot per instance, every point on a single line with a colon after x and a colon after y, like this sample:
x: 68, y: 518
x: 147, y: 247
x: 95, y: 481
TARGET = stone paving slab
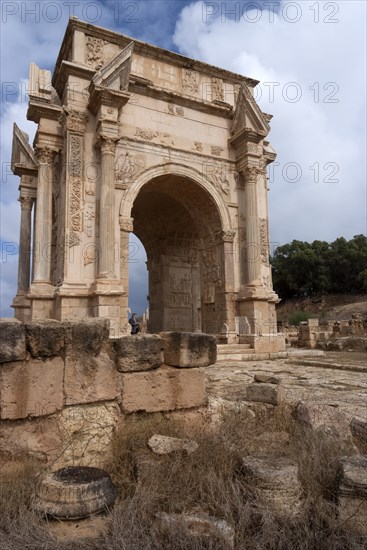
x: 311, y: 383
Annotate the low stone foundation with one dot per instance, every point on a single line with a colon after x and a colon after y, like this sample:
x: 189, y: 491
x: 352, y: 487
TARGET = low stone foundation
x: 64, y: 386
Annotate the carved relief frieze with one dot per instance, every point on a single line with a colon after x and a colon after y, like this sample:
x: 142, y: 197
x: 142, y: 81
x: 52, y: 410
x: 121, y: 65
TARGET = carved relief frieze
x: 75, y: 182
x: 126, y: 168
x: 216, y: 150
x: 147, y: 135
x: 219, y: 178
x: 74, y: 239
x: 264, y: 241
x: 217, y: 89
x: 190, y: 82
x: 198, y: 146
x: 94, y: 52
x: 179, y: 111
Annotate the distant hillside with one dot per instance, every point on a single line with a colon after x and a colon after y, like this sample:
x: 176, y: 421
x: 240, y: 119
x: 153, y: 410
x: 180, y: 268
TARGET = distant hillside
x: 328, y: 306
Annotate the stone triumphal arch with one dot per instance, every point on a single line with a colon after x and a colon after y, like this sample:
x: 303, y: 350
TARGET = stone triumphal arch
x: 134, y: 138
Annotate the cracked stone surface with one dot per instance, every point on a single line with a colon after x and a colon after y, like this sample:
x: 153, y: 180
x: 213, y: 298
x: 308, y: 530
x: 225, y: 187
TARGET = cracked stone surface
x: 335, y: 378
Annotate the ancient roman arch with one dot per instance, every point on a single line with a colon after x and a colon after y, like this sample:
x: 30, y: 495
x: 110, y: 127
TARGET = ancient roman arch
x: 132, y: 137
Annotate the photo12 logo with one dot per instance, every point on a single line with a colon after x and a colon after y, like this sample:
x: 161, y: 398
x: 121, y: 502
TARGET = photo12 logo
x: 269, y: 11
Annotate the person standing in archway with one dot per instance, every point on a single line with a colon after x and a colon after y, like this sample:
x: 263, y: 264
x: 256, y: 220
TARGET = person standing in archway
x: 135, y: 327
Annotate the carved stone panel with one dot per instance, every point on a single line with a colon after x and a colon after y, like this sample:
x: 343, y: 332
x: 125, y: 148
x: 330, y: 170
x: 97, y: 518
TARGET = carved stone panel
x: 190, y: 82
x: 94, y: 52
x: 264, y: 241
x: 217, y: 89
x: 127, y: 166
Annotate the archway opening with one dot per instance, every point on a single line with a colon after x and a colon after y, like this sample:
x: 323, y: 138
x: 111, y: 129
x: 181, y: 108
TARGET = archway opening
x: 179, y: 225
x: 138, y: 276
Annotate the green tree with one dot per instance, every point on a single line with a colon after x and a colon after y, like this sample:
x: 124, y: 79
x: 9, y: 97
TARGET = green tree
x: 306, y: 269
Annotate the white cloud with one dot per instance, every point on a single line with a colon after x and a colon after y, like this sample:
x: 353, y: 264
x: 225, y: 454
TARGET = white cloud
x: 327, y: 57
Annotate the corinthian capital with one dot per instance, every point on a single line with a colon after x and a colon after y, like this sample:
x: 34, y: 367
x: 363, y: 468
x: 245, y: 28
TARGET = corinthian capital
x: 73, y: 121
x: 26, y: 203
x: 252, y: 173
x: 45, y: 155
x: 107, y: 144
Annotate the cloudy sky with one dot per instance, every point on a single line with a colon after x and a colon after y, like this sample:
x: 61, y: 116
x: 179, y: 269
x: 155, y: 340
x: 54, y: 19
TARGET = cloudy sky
x: 309, y: 57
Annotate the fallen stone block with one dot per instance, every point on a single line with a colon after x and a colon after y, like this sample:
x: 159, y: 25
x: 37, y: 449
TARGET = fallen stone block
x: 45, y: 338
x: 264, y: 393
x: 199, y: 526
x: 165, y: 445
x: 89, y: 379
x: 163, y: 389
x: 138, y: 352
x: 276, y: 482
x: 31, y: 388
x: 12, y: 340
x: 325, y: 418
x: 189, y: 349
x: 353, y: 494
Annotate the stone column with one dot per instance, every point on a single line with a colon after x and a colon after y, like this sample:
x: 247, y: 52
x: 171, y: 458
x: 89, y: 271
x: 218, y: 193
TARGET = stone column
x: 253, y: 252
x: 24, y: 265
x: 43, y: 222
x: 107, y: 209
x: 126, y: 227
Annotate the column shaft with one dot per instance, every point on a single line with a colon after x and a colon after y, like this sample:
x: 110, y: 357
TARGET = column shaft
x: 107, y: 210
x: 24, y: 266
x: 43, y: 224
x: 253, y: 253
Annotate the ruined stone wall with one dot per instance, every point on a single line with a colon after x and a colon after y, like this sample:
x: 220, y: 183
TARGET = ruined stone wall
x: 64, y: 386
x: 329, y: 335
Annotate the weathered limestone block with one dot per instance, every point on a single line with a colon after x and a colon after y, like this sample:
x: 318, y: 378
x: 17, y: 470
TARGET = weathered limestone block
x: 39, y: 438
x: 189, y: 349
x: 199, y: 526
x: 165, y: 445
x: 353, y: 494
x: 86, y: 434
x: 31, y: 388
x: 163, y: 389
x: 264, y: 393
x: 12, y: 340
x: 325, y: 418
x: 88, y: 334
x: 45, y: 338
x: 138, y: 352
x: 89, y: 379
x: 276, y: 482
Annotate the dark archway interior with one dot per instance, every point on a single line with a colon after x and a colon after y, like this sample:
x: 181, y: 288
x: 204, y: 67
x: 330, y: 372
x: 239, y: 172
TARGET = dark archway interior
x: 178, y: 223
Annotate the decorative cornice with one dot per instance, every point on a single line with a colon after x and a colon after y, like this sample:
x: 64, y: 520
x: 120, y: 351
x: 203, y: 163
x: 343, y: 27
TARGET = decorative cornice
x: 37, y: 110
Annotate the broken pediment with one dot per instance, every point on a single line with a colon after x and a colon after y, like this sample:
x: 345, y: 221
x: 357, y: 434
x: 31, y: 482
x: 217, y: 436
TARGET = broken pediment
x: 248, y: 116
x: 23, y: 159
x: 116, y: 73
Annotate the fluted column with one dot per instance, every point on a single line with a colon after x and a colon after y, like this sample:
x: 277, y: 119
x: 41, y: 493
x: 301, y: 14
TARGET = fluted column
x: 253, y: 253
x: 107, y: 209
x: 24, y: 266
x: 43, y: 223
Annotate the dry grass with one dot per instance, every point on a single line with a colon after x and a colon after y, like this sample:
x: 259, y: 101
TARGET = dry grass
x: 209, y: 481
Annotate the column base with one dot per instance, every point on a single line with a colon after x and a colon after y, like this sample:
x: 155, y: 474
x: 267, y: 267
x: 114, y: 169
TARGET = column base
x: 257, y: 324
x: 22, y: 306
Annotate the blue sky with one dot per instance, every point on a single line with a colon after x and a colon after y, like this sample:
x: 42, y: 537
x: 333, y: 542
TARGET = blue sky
x: 309, y: 57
